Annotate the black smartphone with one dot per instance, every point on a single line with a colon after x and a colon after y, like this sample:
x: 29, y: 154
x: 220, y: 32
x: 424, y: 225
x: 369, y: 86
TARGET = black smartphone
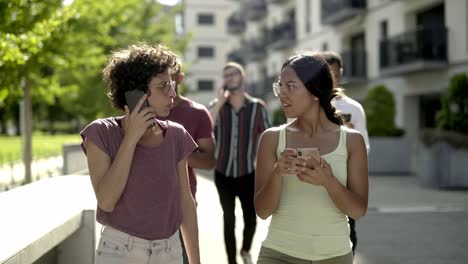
x: 132, y: 97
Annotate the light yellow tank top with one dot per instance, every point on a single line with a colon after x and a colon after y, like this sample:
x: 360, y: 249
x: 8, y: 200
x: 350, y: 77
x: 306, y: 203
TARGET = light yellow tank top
x: 307, y: 224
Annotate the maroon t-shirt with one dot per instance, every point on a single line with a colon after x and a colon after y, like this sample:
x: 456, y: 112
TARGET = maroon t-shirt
x: 149, y: 207
x: 197, y: 121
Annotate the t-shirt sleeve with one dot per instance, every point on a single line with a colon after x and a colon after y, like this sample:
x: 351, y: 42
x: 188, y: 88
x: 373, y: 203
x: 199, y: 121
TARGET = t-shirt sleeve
x: 186, y: 145
x: 205, y: 125
x: 97, y: 133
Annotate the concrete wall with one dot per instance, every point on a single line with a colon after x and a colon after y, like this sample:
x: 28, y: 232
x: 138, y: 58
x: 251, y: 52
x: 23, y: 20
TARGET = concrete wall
x: 74, y: 159
x: 442, y: 166
x: 48, y: 215
x: 389, y: 156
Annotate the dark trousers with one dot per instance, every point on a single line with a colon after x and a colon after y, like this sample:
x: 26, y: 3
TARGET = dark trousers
x: 352, y: 232
x: 228, y: 189
x: 184, y: 250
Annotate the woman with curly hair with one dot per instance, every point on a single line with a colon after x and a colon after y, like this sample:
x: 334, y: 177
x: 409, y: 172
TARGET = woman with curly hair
x: 309, y: 198
x: 138, y: 166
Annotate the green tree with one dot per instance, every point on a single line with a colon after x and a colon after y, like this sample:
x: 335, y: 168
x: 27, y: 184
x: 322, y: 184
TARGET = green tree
x: 278, y: 117
x: 27, y: 31
x: 53, y: 54
x: 379, y: 106
x: 453, y: 115
x: 122, y: 22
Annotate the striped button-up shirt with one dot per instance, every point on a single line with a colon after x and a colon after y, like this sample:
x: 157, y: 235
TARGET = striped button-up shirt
x: 237, y: 135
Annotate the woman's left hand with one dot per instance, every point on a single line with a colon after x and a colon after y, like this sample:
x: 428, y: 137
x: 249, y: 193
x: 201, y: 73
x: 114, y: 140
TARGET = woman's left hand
x: 315, y: 172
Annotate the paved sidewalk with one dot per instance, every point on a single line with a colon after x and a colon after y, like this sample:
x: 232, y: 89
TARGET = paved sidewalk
x: 405, y: 223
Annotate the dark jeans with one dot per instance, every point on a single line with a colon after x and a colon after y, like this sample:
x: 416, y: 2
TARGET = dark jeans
x: 228, y: 189
x: 352, y: 232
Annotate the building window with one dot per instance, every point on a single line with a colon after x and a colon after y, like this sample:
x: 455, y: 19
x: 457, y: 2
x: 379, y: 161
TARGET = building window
x: 205, y: 19
x: 307, y: 16
x: 205, y: 52
x: 205, y: 85
x: 324, y: 46
x: 383, y: 29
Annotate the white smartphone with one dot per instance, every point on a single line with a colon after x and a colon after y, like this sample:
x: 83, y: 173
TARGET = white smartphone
x: 304, y: 152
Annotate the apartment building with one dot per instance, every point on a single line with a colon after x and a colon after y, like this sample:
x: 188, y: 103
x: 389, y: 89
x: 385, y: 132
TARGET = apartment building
x: 411, y: 46
x: 209, y: 45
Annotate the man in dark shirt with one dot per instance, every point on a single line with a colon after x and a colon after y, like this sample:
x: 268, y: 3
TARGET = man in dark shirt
x: 239, y: 120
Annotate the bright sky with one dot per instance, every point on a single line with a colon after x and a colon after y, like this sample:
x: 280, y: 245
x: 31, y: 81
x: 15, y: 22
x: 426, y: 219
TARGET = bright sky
x: 168, y: 2
x: 164, y: 2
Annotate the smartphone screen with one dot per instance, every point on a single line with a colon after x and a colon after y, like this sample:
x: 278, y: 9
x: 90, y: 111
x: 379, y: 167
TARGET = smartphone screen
x: 304, y: 152
x: 132, y: 97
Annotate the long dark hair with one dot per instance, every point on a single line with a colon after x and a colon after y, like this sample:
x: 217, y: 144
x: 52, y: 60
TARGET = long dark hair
x: 314, y: 72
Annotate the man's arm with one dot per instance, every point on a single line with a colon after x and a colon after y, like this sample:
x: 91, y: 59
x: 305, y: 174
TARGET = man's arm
x: 217, y: 103
x: 204, y: 157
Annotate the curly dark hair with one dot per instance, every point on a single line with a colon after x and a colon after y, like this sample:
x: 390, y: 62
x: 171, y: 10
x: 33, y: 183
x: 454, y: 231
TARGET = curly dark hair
x: 314, y: 72
x: 133, y: 67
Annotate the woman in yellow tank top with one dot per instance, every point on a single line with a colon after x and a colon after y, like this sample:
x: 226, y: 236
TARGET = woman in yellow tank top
x: 309, y: 198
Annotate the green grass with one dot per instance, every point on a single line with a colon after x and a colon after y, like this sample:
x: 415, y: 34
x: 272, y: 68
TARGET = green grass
x: 43, y: 146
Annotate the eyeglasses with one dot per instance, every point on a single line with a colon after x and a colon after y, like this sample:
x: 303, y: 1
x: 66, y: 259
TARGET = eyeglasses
x: 278, y: 86
x: 166, y: 87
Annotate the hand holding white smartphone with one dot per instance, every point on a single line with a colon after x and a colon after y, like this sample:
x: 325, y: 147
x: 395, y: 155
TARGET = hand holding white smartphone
x: 304, y: 152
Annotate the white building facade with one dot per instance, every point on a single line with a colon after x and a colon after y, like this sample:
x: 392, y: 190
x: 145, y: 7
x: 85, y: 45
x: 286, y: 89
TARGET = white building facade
x: 206, y: 53
x: 413, y: 47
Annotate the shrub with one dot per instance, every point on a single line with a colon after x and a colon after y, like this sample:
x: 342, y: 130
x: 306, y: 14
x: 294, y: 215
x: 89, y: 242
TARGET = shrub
x: 453, y: 115
x: 379, y: 105
x: 278, y: 117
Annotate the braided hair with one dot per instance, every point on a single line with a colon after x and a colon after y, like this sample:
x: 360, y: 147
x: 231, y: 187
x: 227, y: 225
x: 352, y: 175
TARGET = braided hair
x: 314, y: 72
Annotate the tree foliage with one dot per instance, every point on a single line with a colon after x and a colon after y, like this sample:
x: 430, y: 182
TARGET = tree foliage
x: 453, y: 115
x: 60, y: 50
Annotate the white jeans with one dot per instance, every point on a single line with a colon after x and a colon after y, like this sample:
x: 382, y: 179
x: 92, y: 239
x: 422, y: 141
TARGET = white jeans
x: 118, y: 247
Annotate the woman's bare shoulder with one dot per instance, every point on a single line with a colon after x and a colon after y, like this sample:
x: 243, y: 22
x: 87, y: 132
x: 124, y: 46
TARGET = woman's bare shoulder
x: 354, y: 138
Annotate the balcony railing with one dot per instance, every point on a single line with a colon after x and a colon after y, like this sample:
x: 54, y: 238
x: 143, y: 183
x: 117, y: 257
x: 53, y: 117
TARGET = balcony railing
x: 354, y: 66
x: 337, y: 11
x: 262, y: 88
x: 235, y: 24
x: 283, y: 35
x: 277, y: 1
x: 420, y: 49
x: 255, y: 9
x: 255, y: 49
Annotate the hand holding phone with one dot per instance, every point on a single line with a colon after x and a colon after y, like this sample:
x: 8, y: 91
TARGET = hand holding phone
x: 132, y: 97
x: 305, y: 152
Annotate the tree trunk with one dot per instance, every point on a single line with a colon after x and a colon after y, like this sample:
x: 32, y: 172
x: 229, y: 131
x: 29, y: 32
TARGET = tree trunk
x: 3, y: 125
x: 26, y: 131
